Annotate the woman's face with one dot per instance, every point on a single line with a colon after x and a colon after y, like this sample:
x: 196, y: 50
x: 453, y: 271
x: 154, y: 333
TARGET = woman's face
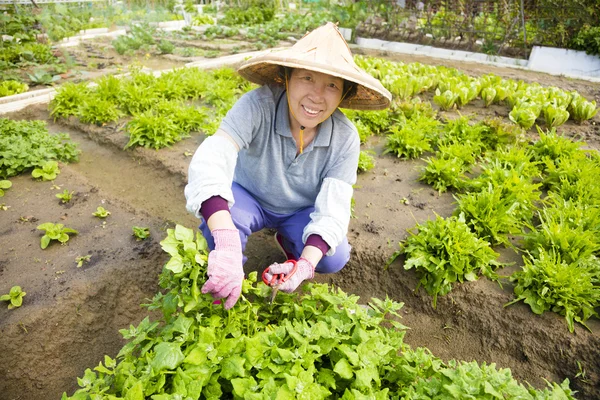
x: 313, y: 96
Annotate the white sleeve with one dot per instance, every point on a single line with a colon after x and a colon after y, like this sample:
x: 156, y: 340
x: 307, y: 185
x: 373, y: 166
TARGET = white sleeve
x: 211, y: 172
x: 331, y: 217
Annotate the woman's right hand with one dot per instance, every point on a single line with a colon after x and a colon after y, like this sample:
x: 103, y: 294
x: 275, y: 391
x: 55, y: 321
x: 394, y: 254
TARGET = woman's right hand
x: 225, y: 270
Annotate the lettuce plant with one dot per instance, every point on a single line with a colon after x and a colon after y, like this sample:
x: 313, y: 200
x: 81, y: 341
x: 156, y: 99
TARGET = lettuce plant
x: 443, y: 173
x: 555, y: 115
x: 141, y: 232
x: 98, y: 111
x: 10, y: 87
x: 54, y: 232
x: 69, y: 97
x: 4, y: 185
x: 549, y: 283
x: 65, y: 196
x: 445, y: 100
x: 581, y: 109
x: 445, y: 251
x: 48, y: 171
x: 101, y: 212
x: 14, y: 297
x: 366, y: 161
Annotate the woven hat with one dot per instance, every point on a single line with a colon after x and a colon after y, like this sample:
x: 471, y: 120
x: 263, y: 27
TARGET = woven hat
x: 322, y: 50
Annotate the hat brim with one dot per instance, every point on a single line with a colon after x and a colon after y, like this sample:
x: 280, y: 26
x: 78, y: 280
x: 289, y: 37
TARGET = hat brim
x: 370, y: 94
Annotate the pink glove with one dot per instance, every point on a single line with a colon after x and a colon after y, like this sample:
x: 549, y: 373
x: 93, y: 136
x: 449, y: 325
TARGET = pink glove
x: 305, y: 271
x: 225, y: 271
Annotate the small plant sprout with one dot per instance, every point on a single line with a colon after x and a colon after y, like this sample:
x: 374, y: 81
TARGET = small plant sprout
x: 15, y: 297
x: 47, y: 172
x: 4, y: 184
x: 54, y: 232
x: 101, y: 212
x: 65, y: 196
x: 141, y: 233
x: 82, y: 259
x: 4, y: 207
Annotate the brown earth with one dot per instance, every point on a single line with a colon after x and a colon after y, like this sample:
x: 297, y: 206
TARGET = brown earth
x: 70, y: 316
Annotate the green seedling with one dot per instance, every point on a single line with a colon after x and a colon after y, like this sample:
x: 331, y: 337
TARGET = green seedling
x: 141, y: 233
x: 65, y: 196
x: 15, y: 296
x: 101, y: 212
x: 82, y: 259
x: 4, y: 184
x: 366, y: 161
x: 54, y: 232
x: 48, y: 172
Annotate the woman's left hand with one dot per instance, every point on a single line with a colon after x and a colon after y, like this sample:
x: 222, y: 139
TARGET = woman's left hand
x: 304, y: 271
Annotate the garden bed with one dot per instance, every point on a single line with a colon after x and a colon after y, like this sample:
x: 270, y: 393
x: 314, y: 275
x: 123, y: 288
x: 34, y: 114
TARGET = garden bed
x: 71, y: 316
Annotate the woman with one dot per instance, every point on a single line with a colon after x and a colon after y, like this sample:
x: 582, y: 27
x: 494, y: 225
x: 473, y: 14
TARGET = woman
x: 285, y: 158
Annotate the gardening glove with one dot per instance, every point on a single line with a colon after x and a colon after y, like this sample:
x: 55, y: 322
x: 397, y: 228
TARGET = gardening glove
x: 225, y: 271
x: 305, y: 271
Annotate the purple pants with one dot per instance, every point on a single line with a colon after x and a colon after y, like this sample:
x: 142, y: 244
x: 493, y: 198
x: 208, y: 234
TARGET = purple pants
x: 248, y: 216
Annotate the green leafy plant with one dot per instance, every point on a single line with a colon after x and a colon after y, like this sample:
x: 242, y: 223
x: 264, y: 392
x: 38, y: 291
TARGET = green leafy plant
x: 524, y: 114
x: 83, y: 259
x: 10, y: 87
x: 549, y: 283
x: 41, y: 77
x: 4, y: 185
x: 494, y: 212
x: 28, y: 144
x: 96, y: 110
x: 445, y: 100
x: 412, y: 137
x: 101, y: 212
x: 65, y: 196
x: 443, y: 173
x: 445, y: 251
x: 69, y: 97
x: 555, y: 115
x: 317, y: 343
x: 165, y: 47
x: 54, y: 232
x: 152, y: 130
x: 366, y: 161
x: 15, y: 297
x: 48, y: 171
x: 581, y: 109
x: 141, y: 233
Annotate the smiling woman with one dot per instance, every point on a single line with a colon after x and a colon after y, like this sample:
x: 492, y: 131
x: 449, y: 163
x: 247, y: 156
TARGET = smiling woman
x: 284, y: 158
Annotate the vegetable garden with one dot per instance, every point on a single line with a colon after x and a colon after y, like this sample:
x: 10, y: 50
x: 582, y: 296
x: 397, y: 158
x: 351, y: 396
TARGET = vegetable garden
x: 475, y: 233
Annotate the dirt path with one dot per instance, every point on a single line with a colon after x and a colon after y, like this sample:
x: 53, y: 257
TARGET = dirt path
x: 71, y: 315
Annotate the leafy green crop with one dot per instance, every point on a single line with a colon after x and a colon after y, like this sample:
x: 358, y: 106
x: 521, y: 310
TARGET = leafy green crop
x: 101, y: 212
x: 549, y: 283
x: 48, y: 171
x: 10, y: 87
x: 15, y: 297
x: 443, y: 173
x: 69, y: 97
x: 54, y: 232
x: 98, y: 111
x: 366, y: 161
x: 152, y: 130
x: 4, y: 185
x: 581, y: 109
x: 312, y: 345
x: 445, y: 251
x: 65, y: 196
x: 140, y: 232
x: 495, y: 211
x: 27, y: 144
x: 412, y: 137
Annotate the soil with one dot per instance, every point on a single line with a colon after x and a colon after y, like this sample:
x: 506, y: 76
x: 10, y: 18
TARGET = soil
x: 71, y: 316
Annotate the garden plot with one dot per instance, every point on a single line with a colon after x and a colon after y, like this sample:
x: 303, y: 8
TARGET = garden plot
x: 70, y: 319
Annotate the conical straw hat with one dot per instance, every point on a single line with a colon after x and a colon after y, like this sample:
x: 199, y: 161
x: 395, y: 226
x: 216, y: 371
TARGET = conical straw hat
x: 323, y: 50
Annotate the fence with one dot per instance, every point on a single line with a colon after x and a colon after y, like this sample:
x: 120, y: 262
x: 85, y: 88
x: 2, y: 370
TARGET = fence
x: 506, y: 27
